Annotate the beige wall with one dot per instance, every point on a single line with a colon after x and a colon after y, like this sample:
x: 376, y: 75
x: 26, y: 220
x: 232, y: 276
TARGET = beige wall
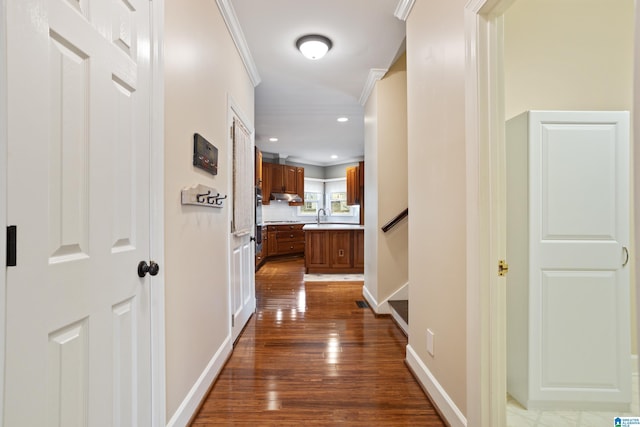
x: 386, y: 254
x: 568, y: 55
x: 558, y: 56
x: 437, y: 221
x: 393, y: 256
x: 202, y: 67
x: 371, y: 171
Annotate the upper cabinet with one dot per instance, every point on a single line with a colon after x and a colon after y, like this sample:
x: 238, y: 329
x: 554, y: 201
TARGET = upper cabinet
x: 289, y: 179
x: 300, y: 182
x: 278, y: 178
x: 266, y: 183
x: 355, y: 185
x: 258, y: 168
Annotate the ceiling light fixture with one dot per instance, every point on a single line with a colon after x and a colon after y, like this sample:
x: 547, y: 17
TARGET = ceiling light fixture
x: 313, y: 46
x: 343, y: 119
x: 273, y: 139
x: 333, y: 156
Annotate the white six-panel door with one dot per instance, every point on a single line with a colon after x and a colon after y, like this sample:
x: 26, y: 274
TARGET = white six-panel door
x: 77, y: 325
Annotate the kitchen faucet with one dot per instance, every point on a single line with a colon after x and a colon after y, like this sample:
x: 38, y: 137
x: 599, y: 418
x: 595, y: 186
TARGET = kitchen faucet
x: 323, y: 211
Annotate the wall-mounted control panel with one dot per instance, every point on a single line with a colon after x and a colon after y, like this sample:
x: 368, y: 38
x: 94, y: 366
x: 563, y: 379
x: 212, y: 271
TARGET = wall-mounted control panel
x: 205, y: 155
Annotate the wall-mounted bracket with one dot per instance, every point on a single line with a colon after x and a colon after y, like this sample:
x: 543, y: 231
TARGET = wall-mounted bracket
x: 202, y: 195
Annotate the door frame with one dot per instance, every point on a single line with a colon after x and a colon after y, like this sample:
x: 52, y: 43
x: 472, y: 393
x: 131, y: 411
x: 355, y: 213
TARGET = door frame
x: 156, y: 216
x: 486, y: 314
x: 156, y: 220
x: 234, y: 110
x: 3, y: 194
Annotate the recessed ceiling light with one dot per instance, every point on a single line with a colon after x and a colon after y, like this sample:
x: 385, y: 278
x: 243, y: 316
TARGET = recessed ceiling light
x: 273, y: 139
x: 343, y: 119
x: 333, y: 156
x: 313, y: 46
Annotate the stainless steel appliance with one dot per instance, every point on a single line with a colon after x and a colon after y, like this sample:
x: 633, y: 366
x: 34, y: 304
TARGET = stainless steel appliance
x: 258, y: 237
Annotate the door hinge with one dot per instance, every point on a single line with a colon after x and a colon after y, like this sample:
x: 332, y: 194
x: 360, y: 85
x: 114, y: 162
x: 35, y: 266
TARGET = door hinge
x: 503, y: 268
x: 12, y: 234
x: 233, y: 320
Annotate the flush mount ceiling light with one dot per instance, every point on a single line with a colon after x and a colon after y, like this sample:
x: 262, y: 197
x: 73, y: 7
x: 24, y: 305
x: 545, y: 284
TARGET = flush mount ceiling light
x: 273, y: 139
x: 313, y: 46
x: 343, y: 119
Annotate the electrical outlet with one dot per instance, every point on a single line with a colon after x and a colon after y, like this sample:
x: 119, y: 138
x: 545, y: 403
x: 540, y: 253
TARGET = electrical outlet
x: 430, y: 336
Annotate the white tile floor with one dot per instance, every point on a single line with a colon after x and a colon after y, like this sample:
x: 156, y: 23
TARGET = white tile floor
x: 517, y: 416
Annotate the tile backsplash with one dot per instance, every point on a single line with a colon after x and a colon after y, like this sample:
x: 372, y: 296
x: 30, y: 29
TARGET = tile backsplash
x: 281, y: 211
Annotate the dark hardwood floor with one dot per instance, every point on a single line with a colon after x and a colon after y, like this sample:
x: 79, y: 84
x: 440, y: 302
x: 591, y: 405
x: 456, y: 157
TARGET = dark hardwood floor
x: 310, y: 356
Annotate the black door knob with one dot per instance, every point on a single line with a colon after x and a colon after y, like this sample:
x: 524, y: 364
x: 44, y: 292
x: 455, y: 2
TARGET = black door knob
x: 152, y: 268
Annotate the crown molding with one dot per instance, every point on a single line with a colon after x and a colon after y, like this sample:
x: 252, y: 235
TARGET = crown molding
x: 375, y: 74
x: 231, y: 20
x: 403, y: 9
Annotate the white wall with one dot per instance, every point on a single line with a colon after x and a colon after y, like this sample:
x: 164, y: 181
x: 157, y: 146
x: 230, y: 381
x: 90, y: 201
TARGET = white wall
x: 437, y: 194
x: 202, y: 68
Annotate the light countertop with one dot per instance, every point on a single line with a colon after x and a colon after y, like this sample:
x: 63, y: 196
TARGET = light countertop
x: 333, y: 226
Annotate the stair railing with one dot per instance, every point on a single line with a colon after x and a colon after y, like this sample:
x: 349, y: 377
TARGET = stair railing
x: 389, y: 225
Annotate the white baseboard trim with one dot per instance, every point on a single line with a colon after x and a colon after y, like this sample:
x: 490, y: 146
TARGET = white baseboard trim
x: 370, y: 299
x: 445, y: 405
x: 191, y: 402
x: 383, y: 307
x: 400, y: 321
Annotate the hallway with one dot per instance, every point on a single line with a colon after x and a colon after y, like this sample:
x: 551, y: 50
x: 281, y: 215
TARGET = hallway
x: 310, y: 355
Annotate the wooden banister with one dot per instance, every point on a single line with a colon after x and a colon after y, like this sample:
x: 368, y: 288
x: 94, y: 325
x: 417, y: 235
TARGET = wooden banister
x: 402, y: 215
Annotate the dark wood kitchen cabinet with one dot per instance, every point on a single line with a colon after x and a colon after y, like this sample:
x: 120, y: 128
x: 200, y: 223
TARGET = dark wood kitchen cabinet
x: 263, y: 253
x: 272, y: 243
x: 258, y: 167
x: 355, y: 188
x: 353, y: 185
x: 278, y: 178
x: 358, y: 249
x: 266, y: 183
x: 334, y: 251
x: 341, y: 248
x: 299, y: 187
x: 285, y: 239
x: 284, y: 179
x: 316, y: 250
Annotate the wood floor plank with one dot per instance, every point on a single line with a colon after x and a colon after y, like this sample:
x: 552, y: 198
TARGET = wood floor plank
x: 310, y: 356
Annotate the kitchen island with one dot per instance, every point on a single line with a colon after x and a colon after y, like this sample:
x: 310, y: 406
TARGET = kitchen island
x: 334, y: 248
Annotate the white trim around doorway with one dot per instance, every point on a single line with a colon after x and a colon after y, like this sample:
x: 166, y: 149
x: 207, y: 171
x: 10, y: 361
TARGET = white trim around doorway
x: 486, y: 315
x: 3, y: 192
x: 156, y: 217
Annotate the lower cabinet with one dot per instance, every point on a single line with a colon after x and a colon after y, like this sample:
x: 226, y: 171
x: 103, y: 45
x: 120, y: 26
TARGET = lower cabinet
x: 334, y: 251
x: 358, y: 249
x: 285, y: 239
x: 262, y: 254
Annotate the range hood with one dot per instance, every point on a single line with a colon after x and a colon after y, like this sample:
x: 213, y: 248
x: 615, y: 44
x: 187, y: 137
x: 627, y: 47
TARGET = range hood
x: 286, y: 197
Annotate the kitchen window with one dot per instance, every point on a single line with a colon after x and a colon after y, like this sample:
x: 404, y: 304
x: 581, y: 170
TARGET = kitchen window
x: 338, y: 203
x: 310, y: 204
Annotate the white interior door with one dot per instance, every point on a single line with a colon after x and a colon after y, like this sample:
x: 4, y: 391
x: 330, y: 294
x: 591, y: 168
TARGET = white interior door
x: 78, y: 321
x: 577, y: 330
x: 242, y: 274
x: 579, y: 258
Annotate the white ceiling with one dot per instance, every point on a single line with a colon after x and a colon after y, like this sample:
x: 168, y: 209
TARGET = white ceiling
x: 299, y: 100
